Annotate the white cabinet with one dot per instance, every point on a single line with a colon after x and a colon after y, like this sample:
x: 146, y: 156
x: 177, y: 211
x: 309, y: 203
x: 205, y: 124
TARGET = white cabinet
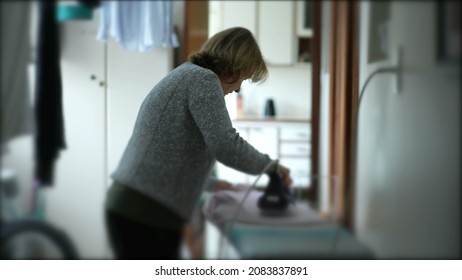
x: 271, y: 22
x: 276, y: 31
x: 287, y: 141
x: 75, y: 202
x: 233, y: 176
x: 103, y: 87
x: 130, y: 77
x: 295, y: 152
x: 263, y: 139
x: 240, y: 13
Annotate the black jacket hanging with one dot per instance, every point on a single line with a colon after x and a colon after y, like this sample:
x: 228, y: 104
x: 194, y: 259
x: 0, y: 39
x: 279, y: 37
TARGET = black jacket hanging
x: 49, y: 134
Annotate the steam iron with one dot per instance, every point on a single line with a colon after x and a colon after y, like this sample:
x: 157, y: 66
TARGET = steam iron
x: 276, y: 198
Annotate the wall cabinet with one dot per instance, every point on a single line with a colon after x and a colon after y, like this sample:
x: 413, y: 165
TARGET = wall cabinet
x: 240, y: 13
x: 271, y: 22
x: 287, y: 141
x: 276, y: 31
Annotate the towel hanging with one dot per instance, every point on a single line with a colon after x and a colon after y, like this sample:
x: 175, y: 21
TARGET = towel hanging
x: 138, y: 25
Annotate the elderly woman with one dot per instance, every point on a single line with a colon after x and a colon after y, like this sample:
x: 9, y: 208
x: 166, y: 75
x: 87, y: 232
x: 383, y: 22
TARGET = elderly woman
x: 182, y: 127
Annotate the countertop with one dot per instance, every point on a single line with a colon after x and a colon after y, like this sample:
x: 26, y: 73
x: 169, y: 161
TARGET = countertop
x: 270, y: 119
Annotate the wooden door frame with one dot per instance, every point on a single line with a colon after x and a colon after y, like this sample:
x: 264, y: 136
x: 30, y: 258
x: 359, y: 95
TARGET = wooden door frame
x: 195, y: 26
x: 313, y: 192
x: 344, y: 74
x: 195, y: 34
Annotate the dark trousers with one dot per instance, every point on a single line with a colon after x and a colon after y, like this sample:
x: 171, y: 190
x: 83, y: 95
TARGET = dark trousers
x: 133, y: 240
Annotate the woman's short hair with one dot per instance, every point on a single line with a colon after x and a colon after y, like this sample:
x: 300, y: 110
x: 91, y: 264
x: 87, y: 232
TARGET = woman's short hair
x: 232, y: 53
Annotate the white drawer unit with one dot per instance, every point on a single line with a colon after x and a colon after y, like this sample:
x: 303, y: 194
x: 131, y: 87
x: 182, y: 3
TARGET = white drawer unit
x: 288, y: 149
x: 295, y: 152
x: 288, y: 141
x: 298, y: 132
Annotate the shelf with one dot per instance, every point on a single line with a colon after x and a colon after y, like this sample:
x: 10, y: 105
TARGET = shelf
x: 304, y: 50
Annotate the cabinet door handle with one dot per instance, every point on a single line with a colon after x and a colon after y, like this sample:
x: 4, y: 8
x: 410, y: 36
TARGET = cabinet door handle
x: 93, y: 77
x: 101, y: 84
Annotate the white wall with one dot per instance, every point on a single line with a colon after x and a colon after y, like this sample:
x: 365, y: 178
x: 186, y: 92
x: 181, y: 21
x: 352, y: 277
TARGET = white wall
x: 289, y: 87
x: 408, y: 180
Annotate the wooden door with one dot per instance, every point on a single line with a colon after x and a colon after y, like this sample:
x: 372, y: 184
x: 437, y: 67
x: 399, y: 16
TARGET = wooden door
x: 313, y: 193
x: 195, y: 26
x: 343, y: 70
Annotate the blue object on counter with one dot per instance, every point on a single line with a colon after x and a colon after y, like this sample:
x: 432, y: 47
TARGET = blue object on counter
x: 270, y: 110
x: 65, y: 12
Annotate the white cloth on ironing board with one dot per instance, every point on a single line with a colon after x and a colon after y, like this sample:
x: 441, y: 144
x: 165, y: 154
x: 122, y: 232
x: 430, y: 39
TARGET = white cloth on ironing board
x: 220, y: 208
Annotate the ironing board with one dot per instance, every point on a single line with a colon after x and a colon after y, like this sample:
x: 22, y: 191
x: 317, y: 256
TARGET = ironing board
x: 328, y: 241
x: 302, y: 234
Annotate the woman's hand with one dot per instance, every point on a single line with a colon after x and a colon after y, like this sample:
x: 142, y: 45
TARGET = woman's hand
x: 222, y: 185
x: 285, y: 173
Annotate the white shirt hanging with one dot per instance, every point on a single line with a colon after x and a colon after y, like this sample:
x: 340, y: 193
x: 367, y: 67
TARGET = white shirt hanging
x: 138, y: 25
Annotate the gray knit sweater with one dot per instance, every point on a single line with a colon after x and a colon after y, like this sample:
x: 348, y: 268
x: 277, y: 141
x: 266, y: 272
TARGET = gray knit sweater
x: 182, y: 127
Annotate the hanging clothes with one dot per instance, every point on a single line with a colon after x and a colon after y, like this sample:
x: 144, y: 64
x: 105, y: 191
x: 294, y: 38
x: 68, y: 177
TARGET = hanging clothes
x: 16, y: 113
x: 138, y: 25
x: 49, y: 135
x: 91, y: 3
